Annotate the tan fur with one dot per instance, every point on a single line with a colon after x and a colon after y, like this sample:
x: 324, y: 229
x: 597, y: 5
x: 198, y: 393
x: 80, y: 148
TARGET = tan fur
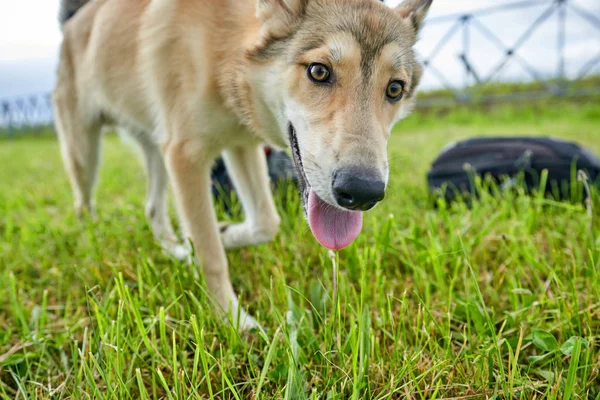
x: 190, y: 79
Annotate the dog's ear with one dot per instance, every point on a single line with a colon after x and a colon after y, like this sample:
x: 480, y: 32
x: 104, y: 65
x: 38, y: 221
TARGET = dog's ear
x: 278, y: 17
x: 416, y: 10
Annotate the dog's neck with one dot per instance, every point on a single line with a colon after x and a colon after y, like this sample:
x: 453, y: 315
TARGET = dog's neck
x: 247, y: 86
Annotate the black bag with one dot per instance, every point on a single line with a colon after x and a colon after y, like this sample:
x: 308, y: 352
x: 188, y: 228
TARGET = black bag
x: 508, y: 160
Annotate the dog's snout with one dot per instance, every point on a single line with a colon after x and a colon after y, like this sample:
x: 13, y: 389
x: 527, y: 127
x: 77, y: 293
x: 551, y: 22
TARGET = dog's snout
x: 358, y: 189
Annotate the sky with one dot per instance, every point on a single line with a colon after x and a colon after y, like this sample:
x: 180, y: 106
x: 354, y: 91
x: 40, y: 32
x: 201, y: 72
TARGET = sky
x: 30, y: 38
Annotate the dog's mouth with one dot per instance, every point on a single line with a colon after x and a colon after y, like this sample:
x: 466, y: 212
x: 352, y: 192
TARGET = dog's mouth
x: 333, y: 227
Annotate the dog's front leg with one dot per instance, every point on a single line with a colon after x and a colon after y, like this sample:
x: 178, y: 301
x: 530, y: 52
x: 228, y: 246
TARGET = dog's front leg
x: 247, y: 168
x: 189, y: 169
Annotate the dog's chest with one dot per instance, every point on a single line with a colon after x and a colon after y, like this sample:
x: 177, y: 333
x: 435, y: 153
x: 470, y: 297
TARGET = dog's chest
x: 220, y: 127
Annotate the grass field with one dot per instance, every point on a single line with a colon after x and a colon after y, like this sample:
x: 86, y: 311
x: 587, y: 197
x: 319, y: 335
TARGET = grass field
x: 498, y: 301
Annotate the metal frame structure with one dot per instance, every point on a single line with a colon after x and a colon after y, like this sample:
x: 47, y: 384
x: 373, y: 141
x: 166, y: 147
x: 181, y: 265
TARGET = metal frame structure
x: 37, y: 110
x: 468, y: 24
x: 31, y: 111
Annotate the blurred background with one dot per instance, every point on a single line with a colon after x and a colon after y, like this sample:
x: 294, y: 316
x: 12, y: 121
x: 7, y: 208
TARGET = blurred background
x: 548, y: 47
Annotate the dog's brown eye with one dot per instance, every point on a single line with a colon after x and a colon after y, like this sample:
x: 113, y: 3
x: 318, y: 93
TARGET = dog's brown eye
x: 395, y: 90
x: 318, y: 73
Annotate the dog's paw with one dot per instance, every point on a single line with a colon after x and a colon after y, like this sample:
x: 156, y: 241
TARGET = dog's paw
x: 243, y: 234
x: 180, y: 252
x: 244, y: 322
x: 85, y: 212
x: 233, y: 235
x: 224, y: 226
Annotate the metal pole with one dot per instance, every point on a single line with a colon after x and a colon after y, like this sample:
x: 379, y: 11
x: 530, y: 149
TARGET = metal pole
x: 561, y: 84
x: 7, y: 118
x: 465, y: 44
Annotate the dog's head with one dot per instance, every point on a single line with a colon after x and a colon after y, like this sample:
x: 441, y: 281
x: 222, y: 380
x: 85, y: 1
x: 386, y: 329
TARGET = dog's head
x: 342, y: 73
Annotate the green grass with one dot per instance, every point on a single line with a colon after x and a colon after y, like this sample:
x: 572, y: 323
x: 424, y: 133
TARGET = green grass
x: 499, y: 90
x: 498, y: 301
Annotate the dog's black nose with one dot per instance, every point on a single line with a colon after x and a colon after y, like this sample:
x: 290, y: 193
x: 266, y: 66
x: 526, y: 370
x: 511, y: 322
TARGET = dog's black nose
x: 357, y: 188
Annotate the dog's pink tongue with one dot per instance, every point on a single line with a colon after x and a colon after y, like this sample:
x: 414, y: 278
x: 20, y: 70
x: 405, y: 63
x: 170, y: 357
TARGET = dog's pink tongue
x: 332, y: 227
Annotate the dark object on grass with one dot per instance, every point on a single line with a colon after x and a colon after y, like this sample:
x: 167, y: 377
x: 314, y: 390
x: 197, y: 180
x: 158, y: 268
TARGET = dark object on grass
x: 280, y: 167
x: 512, y: 161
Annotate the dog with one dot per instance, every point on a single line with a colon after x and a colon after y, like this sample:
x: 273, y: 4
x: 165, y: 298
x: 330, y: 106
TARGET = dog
x: 192, y: 79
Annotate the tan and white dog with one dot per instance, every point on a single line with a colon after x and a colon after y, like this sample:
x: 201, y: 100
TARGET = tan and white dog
x: 191, y: 79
